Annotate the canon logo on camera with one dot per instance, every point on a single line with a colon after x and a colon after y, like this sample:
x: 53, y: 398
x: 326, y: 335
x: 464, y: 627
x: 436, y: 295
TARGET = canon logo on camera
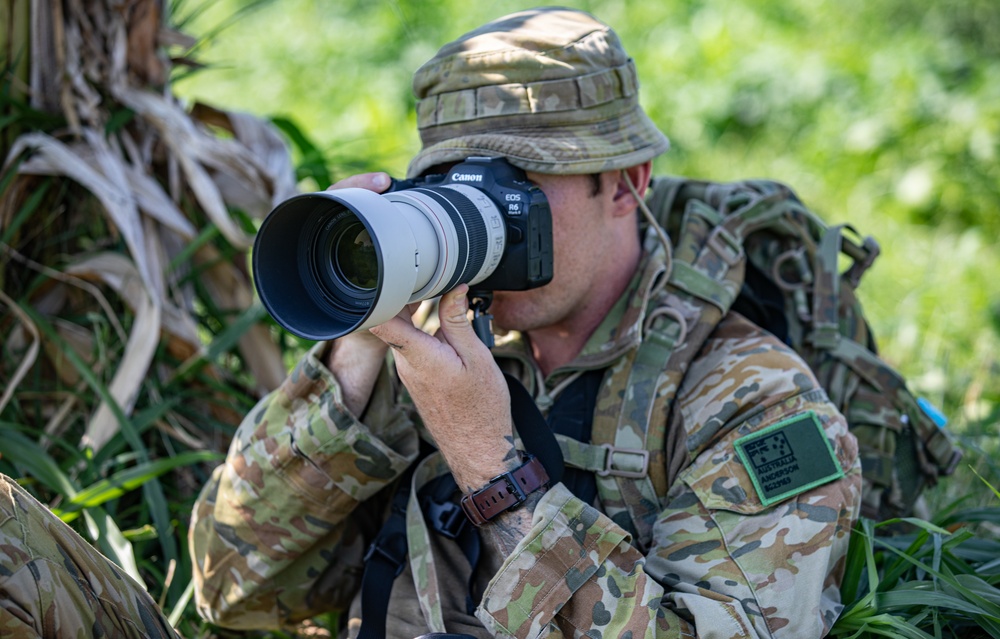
x: 467, y: 177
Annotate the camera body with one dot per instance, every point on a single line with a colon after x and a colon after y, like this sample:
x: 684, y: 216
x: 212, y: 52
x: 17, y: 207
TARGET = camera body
x: 332, y: 262
x: 526, y: 261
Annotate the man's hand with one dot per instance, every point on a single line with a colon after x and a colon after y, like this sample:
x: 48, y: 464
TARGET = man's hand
x: 356, y: 358
x: 458, y: 389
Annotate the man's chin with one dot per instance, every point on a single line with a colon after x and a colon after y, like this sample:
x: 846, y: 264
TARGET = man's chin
x: 504, y: 311
x: 511, y: 311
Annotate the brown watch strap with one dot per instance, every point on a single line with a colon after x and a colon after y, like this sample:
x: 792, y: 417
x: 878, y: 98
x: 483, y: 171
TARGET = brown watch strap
x: 505, y: 491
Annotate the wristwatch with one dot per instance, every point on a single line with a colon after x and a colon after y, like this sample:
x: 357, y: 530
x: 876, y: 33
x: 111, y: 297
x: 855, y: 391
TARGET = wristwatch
x: 505, y: 491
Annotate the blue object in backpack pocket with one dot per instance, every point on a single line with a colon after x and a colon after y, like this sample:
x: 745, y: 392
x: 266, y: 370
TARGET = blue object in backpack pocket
x: 932, y: 411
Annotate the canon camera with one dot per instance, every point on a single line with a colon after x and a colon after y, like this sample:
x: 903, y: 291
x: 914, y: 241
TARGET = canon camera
x: 332, y: 262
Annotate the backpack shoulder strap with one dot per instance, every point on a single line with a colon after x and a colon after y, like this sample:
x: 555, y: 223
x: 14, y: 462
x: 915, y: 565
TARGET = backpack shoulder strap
x: 629, y: 424
x: 704, y: 278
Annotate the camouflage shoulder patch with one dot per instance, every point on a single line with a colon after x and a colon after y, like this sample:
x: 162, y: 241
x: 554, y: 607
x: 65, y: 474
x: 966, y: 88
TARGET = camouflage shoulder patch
x: 788, y: 458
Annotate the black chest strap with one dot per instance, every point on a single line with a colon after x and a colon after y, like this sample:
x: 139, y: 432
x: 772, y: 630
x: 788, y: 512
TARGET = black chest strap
x: 572, y: 415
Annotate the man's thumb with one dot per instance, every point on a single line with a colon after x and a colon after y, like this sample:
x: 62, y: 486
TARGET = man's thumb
x: 453, y: 311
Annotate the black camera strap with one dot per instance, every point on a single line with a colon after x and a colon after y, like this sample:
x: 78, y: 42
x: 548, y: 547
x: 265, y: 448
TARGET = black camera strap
x: 572, y: 415
x: 533, y: 430
x: 385, y: 559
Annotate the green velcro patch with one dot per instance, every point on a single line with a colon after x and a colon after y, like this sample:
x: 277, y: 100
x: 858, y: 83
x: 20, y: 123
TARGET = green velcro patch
x: 789, y: 458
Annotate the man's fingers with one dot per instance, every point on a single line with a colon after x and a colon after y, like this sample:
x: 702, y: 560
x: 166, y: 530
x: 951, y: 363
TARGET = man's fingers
x: 396, y: 333
x: 377, y: 182
x: 454, y: 307
x: 455, y: 334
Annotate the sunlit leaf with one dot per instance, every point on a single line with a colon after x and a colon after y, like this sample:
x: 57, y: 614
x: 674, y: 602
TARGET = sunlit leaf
x: 123, y: 481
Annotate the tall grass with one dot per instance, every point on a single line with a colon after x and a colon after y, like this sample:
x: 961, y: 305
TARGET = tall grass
x: 934, y: 583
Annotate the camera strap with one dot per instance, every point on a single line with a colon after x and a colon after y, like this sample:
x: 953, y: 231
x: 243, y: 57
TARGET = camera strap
x: 384, y: 561
x: 534, y: 431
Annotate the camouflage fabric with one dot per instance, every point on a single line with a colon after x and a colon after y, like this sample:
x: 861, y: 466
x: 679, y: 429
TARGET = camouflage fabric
x: 280, y: 531
x: 55, y: 585
x: 302, y: 485
x: 550, y: 89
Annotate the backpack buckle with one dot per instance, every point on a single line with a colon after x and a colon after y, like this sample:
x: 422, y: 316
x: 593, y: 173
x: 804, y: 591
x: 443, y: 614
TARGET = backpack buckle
x: 725, y: 245
x: 389, y: 549
x: 446, y: 518
x: 635, y: 454
x: 871, y: 251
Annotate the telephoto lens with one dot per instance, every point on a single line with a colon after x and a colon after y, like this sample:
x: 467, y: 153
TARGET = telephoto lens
x: 329, y: 263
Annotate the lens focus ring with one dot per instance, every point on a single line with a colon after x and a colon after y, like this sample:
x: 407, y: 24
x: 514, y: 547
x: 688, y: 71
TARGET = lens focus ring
x: 464, y: 215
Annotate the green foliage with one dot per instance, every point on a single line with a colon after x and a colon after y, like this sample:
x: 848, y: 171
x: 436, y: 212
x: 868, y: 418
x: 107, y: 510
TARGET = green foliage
x: 898, y: 101
x: 932, y: 583
x: 313, y: 164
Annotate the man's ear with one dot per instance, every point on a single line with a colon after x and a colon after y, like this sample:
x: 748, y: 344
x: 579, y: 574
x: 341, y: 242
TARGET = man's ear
x: 639, y: 175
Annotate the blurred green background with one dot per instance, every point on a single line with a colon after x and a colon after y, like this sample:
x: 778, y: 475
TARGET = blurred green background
x: 881, y: 113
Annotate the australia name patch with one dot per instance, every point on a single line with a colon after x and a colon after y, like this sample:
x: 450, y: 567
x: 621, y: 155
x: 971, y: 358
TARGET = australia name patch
x: 788, y: 458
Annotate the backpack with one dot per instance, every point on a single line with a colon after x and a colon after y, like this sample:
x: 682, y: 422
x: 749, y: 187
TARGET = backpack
x: 753, y: 247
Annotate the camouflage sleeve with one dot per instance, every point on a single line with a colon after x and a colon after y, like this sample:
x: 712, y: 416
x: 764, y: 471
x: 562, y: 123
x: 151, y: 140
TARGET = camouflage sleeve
x: 279, y: 532
x: 55, y: 585
x: 722, y: 562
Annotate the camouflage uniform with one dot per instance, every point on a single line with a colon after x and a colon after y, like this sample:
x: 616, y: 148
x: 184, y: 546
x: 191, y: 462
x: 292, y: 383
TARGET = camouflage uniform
x: 53, y: 584
x: 279, y: 533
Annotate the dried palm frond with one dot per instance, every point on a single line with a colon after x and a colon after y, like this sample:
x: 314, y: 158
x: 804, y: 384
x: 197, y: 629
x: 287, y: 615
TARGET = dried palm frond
x: 125, y: 218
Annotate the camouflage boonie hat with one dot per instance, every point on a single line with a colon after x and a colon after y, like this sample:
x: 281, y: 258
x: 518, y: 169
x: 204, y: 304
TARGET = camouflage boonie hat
x: 551, y: 89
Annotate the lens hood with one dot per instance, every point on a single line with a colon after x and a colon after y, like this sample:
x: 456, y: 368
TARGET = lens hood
x: 288, y: 264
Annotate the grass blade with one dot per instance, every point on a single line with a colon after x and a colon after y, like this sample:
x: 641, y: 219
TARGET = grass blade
x: 130, y: 479
x: 988, y: 484
x: 28, y: 455
x: 854, y: 567
x: 29, y: 207
x: 112, y: 542
x: 903, y: 598
x: 178, y: 611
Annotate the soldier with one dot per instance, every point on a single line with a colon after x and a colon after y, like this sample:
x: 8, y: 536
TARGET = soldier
x: 55, y: 585
x: 280, y: 532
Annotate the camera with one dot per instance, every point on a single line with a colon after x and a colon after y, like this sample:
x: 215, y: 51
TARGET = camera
x: 332, y: 262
